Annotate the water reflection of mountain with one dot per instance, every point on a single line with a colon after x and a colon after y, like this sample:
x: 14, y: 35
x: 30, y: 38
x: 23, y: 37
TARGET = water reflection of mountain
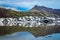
x: 36, y: 26
x: 30, y: 21
x: 37, y: 31
x: 29, y: 36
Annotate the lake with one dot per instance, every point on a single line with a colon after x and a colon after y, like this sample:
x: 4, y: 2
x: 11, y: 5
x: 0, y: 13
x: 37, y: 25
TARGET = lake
x: 29, y: 36
x: 27, y: 28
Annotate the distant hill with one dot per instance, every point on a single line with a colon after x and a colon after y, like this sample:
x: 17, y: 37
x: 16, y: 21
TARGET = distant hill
x: 35, y: 11
x: 4, y: 12
x: 45, y: 11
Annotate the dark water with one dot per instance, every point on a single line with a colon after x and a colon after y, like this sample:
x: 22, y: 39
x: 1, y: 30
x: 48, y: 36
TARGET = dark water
x: 29, y: 36
x: 32, y: 22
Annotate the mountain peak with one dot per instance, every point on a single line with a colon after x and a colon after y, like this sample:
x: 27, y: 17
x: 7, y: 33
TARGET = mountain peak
x: 36, y: 7
x: 45, y: 11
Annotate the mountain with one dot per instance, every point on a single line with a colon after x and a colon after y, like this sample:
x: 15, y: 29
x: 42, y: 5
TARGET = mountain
x: 4, y: 12
x: 45, y: 11
x: 35, y: 11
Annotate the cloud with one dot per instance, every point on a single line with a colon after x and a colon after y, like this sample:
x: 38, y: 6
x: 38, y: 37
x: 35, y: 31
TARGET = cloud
x: 28, y: 4
x: 18, y: 5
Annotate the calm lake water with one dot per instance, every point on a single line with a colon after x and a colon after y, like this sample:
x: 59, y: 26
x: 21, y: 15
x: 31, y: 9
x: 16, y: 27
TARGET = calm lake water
x: 29, y: 36
x: 31, y: 22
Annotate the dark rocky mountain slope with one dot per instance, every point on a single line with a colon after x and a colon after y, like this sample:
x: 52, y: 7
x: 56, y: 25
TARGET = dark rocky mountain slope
x: 4, y: 13
x: 45, y: 11
x: 35, y: 11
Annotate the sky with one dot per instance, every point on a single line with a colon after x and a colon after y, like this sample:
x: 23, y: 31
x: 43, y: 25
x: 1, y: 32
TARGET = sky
x: 25, y: 5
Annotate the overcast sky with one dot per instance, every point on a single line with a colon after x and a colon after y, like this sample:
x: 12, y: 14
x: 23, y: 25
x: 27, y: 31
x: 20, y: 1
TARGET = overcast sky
x: 24, y: 5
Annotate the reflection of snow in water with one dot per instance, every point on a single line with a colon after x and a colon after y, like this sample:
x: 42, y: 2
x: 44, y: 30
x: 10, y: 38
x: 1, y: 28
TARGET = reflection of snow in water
x: 29, y: 21
x: 28, y: 36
